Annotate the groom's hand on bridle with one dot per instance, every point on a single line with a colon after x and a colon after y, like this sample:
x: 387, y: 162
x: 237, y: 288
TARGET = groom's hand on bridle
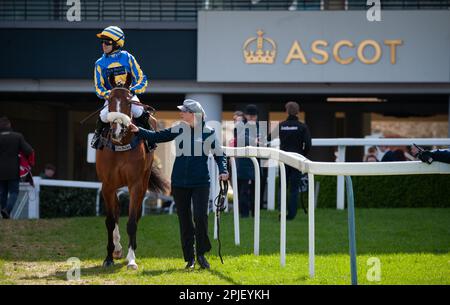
x: 133, y: 128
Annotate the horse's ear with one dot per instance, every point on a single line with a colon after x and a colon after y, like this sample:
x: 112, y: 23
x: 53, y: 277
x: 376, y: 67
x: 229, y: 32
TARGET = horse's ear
x: 128, y: 81
x: 112, y: 80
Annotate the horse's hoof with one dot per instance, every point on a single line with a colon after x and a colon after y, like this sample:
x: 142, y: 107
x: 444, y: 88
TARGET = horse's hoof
x: 108, y: 263
x: 118, y: 254
x: 132, y: 266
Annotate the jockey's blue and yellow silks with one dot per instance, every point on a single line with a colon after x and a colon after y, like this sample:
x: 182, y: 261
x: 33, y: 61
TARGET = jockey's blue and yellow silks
x: 118, y: 64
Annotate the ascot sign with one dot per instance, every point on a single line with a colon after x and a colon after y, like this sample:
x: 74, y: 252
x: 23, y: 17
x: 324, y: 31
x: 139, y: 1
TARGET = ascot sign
x: 255, y: 53
x: 323, y: 47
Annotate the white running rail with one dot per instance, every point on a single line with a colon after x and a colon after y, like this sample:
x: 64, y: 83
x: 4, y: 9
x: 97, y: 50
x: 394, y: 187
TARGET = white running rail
x: 318, y: 168
x: 38, y: 182
x: 342, y: 144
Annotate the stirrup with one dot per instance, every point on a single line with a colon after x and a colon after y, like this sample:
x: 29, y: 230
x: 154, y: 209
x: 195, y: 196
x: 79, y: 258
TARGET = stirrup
x: 95, y: 141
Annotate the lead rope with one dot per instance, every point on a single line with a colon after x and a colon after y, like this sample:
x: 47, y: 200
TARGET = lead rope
x: 219, y: 202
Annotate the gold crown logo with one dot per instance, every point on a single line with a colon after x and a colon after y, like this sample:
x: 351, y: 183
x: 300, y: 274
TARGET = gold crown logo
x: 259, y: 56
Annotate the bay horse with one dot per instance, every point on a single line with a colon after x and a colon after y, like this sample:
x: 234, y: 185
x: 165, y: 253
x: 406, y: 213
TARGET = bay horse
x: 117, y: 168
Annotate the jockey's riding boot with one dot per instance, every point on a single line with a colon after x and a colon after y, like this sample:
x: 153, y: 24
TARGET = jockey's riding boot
x: 98, y: 132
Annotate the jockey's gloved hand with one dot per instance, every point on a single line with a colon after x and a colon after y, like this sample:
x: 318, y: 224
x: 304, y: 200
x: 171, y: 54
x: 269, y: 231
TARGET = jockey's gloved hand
x: 425, y: 156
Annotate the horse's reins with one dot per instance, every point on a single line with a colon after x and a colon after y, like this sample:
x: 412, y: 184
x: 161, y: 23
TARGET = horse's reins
x: 146, y: 107
x: 92, y: 114
x: 219, y: 202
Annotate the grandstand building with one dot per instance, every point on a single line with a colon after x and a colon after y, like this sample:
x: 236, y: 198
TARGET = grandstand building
x: 356, y: 70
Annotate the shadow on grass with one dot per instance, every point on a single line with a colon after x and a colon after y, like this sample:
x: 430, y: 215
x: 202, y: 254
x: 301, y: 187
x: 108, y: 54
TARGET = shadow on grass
x: 98, y: 271
x: 184, y: 271
x: 223, y: 277
x: 163, y: 271
x: 89, y: 271
x: 303, y: 279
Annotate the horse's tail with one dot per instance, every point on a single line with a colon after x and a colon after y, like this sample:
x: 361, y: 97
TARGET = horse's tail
x: 157, y: 183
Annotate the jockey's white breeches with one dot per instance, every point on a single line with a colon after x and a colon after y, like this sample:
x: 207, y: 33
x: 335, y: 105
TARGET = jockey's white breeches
x: 136, y: 110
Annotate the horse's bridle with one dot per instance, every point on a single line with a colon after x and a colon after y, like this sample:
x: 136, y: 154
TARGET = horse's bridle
x: 124, y: 131
x: 129, y: 101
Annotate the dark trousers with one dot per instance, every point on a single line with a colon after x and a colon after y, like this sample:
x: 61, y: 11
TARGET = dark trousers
x: 10, y: 187
x: 195, y: 231
x: 293, y: 178
x: 263, y: 201
x: 246, y: 197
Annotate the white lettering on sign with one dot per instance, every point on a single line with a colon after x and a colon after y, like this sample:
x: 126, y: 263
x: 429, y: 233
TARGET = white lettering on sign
x: 74, y: 12
x: 289, y: 127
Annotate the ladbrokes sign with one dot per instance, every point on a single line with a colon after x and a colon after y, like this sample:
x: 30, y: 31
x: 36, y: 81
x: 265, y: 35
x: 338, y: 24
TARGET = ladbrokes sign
x: 407, y: 46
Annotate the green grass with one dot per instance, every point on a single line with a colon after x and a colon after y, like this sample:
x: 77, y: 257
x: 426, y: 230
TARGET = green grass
x: 413, y: 246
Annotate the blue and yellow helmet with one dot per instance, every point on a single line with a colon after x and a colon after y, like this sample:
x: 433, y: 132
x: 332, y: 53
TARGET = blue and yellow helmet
x: 115, y: 33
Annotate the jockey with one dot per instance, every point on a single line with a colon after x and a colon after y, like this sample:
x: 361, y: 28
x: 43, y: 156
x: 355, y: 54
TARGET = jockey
x: 117, y: 62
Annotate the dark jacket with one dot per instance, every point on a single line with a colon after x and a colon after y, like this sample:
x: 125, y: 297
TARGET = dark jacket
x: 435, y: 155
x: 189, y: 169
x: 441, y: 155
x: 393, y: 156
x: 295, y: 136
x: 11, y: 143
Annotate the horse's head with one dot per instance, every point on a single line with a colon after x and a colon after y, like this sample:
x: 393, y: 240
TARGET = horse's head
x: 119, y: 109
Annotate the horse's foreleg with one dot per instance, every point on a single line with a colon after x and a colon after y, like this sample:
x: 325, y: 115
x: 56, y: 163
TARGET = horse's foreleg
x: 131, y: 256
x: 110, y: 222
x: 136, y: 196
x: 144, y: 190
x: 117, y: 254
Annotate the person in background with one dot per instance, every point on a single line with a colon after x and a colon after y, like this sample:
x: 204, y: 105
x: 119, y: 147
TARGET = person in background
x: 371, y: 155
x: 11, y: 144
x: 25, y: 166
x: 49, y: 171
x: 246, y: 134
x: 413, y: 151
x: 294, y: 137
x: 238, y: 116
x: 258, y: 137
x: 429, y: 156
x: 393, y: 156
x: 371, y: 158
